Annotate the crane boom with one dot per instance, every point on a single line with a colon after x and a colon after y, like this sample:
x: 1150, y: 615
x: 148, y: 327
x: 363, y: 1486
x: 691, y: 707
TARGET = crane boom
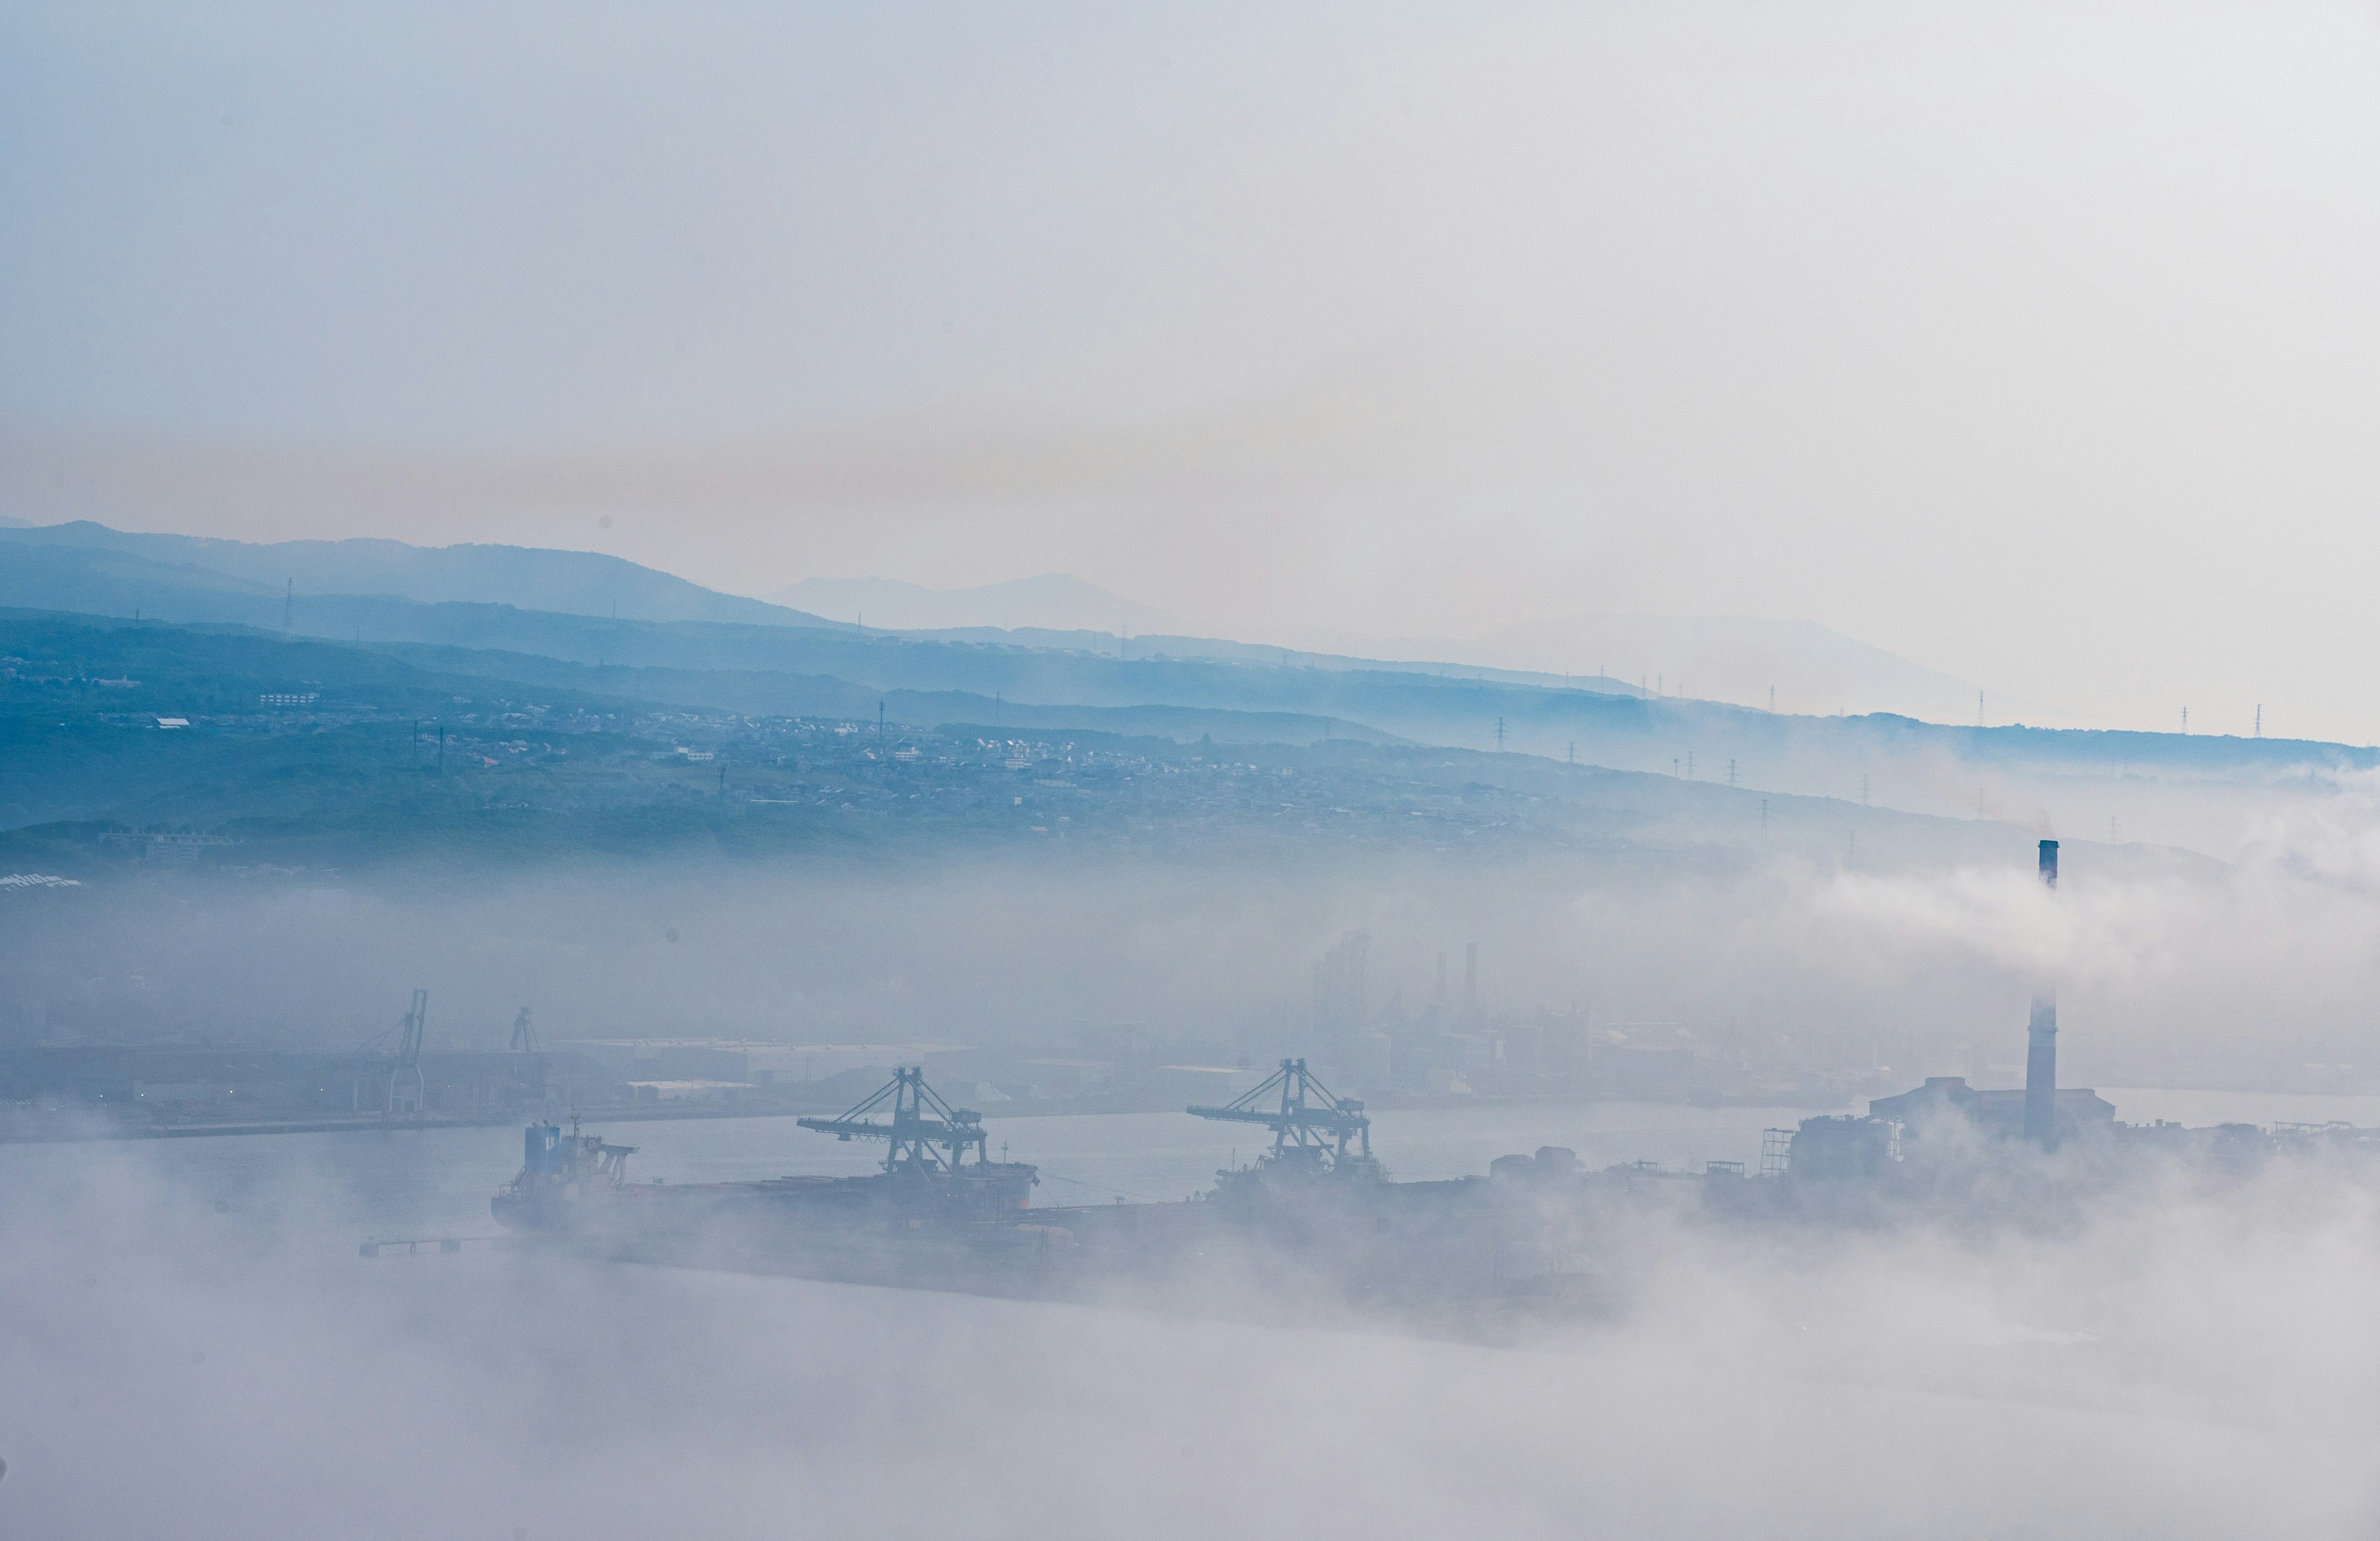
x: 1303, y: 1115
x: 927, y: 1134
x: 408, y: 1053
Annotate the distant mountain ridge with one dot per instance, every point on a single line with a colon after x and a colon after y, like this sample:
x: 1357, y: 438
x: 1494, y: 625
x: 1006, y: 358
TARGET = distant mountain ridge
x: 1815, y: 671
x: 330, y: 589
x: 570, y: 583
x: 1812, y: 669
x: 1736, y: 660
x: 1809, y: 669
x: 793, y: 664
x: 1049, y: 601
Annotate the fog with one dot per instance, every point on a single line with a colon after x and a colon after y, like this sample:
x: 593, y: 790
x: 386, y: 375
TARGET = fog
x: 2273, y: 954
x: 2026, y: 351
x: 2202, y: 1366
x: 191, y: 1344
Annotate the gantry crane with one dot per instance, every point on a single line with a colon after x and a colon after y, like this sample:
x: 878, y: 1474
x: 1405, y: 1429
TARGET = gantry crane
x: 927, y: 1134
x: 408, y: 1054
x: 408, y: 1030
x: 530, y: 1076
x: 1310, y: 1127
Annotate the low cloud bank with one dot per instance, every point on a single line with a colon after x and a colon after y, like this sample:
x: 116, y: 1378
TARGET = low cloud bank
x: 2200, y: 1364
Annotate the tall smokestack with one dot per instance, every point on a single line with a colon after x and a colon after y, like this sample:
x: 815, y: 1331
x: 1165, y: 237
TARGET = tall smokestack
x: 2041, y: 1040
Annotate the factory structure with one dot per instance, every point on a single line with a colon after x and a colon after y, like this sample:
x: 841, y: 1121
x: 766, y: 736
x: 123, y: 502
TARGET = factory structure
x: 141, y: 1085
x: 392, y: 1077
x: 1946, y: 1121
x: 1317, y: 1205
x: 1317, y: 1222
x: 1947, y: 1142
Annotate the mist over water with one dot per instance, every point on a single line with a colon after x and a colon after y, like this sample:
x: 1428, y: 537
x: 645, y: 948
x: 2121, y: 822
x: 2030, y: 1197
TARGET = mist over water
x: 1635, y: 409
x: 2189, y: 1356
x: 1893, y: 963
x: 2201, y: 1368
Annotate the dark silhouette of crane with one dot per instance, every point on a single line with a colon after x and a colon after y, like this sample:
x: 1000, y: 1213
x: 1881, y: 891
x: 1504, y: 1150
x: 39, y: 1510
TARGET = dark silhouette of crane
x: 1311, y: 1129
x: 927, y: 1134
x: 530, y: 1070
x: 407, y: 1060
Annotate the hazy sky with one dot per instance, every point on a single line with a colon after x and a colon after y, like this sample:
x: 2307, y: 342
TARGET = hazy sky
x: 2040, y: 342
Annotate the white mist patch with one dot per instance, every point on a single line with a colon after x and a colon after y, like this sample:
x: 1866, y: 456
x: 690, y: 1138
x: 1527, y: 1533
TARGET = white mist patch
x: 2203, y: 1365
x: 2258, y: 915
x: 2334, y: 839
x: 2108, y: 932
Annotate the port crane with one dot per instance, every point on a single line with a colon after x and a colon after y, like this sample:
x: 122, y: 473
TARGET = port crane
x: 408, y: 1030
x: 927, y: 1134
x: 530, y: 1075
x: 1310, y: 1126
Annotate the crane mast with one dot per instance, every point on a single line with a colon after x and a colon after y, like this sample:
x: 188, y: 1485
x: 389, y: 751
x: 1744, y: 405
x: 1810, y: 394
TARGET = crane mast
x: 407, y: 1064
x: 530, y: 1073
x: 1310, y: 1125
x: 927, y: 1134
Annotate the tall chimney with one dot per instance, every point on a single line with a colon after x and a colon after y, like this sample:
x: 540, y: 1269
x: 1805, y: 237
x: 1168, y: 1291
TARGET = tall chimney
x: 2041, y: 1040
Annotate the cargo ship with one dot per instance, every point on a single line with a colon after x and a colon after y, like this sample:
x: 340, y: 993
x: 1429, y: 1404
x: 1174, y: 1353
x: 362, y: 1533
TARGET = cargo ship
x: 937, y: 1211
x: 1315, y: 1229
x: 1314, y: 1224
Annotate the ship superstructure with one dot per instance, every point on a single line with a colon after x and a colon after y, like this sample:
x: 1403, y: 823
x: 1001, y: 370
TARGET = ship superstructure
x: 560, y: 1175
x: 1316, y: 1225
x: 936, y: 1201
x: 1316, y: 1137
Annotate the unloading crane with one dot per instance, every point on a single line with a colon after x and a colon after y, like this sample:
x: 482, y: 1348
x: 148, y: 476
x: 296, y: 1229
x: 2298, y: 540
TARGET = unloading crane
x: 406, y: 1067
x: 529, y: 1075
x: 1309, y: 1123
x: 928, y: 1133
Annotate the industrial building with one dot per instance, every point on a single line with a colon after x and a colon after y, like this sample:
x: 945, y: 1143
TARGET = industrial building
x: 197, y: 1085
x: 1946, y: 1102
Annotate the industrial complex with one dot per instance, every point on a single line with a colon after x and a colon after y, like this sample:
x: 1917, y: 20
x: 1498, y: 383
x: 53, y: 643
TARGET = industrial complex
x: 1315, y: 1223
